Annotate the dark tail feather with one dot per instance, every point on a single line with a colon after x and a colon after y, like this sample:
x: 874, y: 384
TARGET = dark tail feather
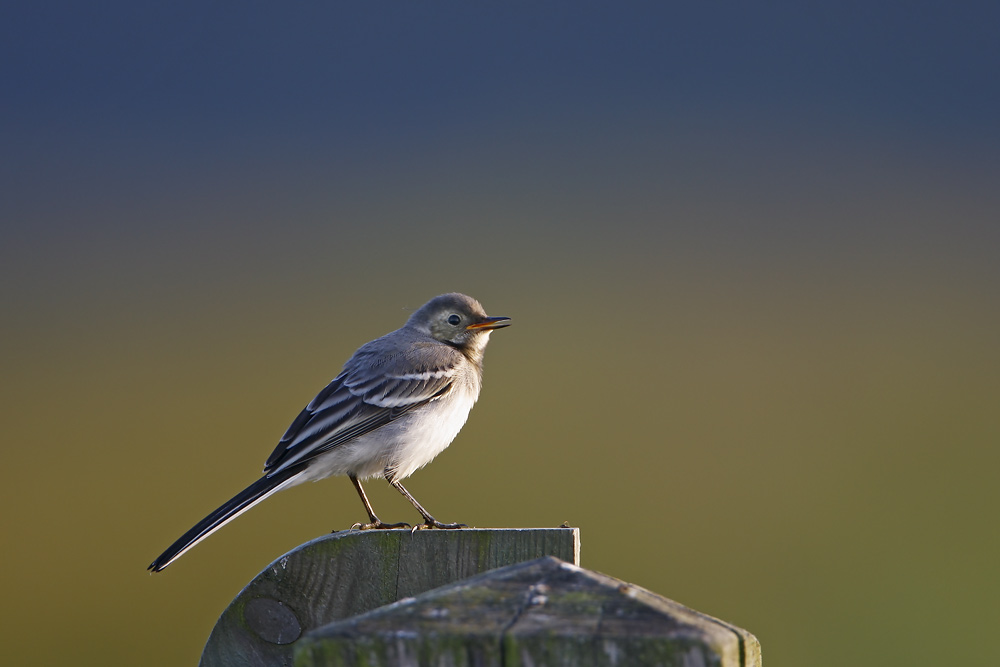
x: 240, y: 503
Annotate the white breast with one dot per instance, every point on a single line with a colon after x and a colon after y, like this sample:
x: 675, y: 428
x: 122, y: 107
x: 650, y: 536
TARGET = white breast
x: 426, y: 432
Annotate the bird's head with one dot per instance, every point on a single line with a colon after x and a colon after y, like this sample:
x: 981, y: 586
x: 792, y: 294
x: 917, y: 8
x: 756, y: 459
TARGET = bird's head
x: 457, y: 320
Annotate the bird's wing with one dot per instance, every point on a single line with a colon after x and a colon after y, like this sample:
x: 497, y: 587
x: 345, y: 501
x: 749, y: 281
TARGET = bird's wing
x: 374, y: 389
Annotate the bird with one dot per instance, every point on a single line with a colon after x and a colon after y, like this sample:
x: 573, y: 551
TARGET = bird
x: 399, y: 401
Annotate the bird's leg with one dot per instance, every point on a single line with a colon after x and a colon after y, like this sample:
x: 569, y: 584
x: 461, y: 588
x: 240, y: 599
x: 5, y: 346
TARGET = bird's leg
x: 376, y: 523
x: 429, y: 521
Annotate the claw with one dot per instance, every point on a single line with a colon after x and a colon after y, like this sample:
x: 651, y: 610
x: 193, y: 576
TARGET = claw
x: 378, y: 525
x: 434, y: 523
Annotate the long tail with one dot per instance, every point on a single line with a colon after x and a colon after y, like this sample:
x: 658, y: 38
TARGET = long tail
x: 237, y: 505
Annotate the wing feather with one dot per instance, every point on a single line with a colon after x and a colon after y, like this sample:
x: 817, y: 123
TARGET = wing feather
x: 372, y: 391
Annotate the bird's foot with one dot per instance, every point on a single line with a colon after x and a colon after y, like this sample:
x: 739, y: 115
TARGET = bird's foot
x: 434, y: 523
x: 378, y: 525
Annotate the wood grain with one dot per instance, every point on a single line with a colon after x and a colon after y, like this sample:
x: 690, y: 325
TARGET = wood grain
x: 351, y: 572
x: 543, y: 612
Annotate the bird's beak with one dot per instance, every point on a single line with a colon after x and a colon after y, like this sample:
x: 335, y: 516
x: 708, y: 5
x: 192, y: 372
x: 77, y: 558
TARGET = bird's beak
x: 488, y: 323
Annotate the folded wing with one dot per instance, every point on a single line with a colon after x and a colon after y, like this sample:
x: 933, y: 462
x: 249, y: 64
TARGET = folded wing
x: 372, y: 391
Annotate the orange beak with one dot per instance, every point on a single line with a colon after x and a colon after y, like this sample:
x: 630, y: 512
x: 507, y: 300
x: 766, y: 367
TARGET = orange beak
x: 488, y: 323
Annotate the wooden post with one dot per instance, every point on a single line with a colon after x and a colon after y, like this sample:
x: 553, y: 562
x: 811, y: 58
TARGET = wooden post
x: 351, y: 572
x: 543, y: 612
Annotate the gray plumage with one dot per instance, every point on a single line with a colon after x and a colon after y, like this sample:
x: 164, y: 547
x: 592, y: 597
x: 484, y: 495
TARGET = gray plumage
x: 399, y: 401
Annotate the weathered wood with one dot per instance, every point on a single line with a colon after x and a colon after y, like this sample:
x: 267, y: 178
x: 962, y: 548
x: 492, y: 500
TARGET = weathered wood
x: 351, y: 572
x: 543, y: 612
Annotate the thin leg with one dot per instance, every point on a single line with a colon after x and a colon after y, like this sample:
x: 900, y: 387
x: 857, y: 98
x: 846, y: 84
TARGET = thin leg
x: 376, y: 523
x: 429, y: 521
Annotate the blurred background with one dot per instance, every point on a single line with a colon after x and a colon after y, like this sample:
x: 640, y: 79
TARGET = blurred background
x: 751, y: 254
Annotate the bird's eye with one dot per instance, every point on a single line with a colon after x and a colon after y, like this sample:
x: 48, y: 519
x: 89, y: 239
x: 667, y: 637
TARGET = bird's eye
x: 453, y: 320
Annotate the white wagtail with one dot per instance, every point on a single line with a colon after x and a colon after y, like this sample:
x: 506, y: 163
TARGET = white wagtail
x: 399, y: 401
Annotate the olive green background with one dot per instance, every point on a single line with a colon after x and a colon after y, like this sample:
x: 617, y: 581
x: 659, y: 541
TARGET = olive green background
x: 751, y: 257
